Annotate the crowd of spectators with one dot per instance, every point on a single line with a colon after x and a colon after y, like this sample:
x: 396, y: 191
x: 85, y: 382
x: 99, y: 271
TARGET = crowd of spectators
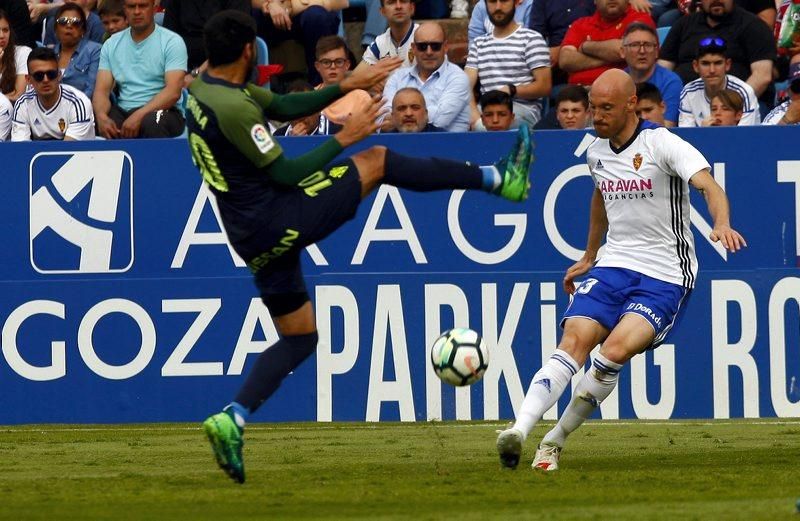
x: 118, y: 68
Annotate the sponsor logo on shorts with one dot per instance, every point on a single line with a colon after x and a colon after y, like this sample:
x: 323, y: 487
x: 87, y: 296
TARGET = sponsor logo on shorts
x: 286, y: 243
x: 261, y: 138
x: 644, y: 310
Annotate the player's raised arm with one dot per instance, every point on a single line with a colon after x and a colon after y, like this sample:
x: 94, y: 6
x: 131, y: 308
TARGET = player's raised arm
x: 598, y: 225
x: 719, y: 208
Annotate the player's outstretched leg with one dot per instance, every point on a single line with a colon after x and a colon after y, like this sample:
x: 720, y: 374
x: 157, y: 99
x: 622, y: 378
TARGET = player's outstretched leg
x: 546, y: 388
x: 595, y: 386
x: 508, y: 178
x: 226, y: 442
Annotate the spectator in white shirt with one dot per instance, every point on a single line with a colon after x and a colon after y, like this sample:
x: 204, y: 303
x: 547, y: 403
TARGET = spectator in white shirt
x: 50, y: 110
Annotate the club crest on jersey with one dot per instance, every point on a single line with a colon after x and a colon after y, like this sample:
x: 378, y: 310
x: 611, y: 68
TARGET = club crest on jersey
x: 637, y: 161
x: 62, y: 125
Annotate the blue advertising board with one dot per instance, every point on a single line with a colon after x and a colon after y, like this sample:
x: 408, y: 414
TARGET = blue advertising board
x: 122, y: 301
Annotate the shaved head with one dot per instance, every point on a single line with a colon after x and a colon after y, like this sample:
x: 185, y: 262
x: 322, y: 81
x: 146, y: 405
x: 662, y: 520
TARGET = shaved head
x: 613, y: 101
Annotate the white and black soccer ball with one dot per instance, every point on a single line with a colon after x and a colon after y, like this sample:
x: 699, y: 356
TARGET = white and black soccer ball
x: 459, y: 357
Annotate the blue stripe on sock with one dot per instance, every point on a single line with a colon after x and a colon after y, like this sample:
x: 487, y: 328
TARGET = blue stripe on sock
x: 563, y: 362
x: 603, y: 367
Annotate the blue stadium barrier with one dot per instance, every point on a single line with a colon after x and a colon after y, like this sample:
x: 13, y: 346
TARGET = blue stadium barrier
x: 662, y: 34
x: 123, y: 303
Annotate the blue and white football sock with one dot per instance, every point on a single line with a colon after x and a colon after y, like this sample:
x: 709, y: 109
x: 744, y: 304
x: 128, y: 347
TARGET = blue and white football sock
x: 595, y: 386
x: 491, y: 178
x: 546, y: 388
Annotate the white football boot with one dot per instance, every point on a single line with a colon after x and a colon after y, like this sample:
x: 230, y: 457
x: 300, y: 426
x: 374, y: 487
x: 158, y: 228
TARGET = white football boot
x: 546, y: 458
x: 509, y: 447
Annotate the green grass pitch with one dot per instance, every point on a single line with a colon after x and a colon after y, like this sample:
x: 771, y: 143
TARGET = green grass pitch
x: 703, y: 470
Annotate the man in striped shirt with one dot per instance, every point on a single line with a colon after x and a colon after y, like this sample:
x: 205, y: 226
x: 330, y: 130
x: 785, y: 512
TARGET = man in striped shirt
x: 712, y: 64
x: 512, y: 59
x: 50, y: 110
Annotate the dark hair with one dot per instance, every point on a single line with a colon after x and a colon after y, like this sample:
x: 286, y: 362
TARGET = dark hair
x: 415, y: 91
x: 44, y: 54
x: 112, y: 8
x: 573, y: 93
x: 330, y: 43
x: 299, y: 85
x: 639, y: 26
x: 225, y: 36
x: 731, y: 99
x: 712, y: 45
x: 8, y: 64
x: 72, y: 6
x: 496, y: 97
x: 650, y: 92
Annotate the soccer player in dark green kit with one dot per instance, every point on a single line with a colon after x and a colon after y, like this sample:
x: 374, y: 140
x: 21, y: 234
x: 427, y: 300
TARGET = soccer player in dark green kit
x: 273, y: 206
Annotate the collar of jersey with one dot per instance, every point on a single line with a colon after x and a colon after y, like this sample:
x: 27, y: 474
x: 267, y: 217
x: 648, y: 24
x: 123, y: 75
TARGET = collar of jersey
x: 636, y: 132
x: 216, y: 81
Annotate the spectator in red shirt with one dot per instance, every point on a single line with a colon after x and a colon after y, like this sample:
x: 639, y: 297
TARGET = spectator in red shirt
x: 592, y: 43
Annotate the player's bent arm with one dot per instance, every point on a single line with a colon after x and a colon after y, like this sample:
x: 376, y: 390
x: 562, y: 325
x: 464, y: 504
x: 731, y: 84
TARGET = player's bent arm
x: 598, y: 226
x: 572, y: 60
x: 719, y: 208
x: 298, y: 104
x: 290, y: 172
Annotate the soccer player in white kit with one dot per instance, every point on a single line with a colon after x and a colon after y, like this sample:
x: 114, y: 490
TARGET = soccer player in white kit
x: 631, y: 296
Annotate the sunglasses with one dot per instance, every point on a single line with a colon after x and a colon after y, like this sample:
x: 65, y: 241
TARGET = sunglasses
x: 39, y: 75
x: 338, y: 62
x: 69, y: 20
x: 423, y: 46
x: 713, y: 41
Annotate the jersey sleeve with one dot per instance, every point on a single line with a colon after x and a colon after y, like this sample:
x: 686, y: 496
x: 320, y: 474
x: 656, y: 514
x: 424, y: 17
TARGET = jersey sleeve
x: 676, y: 156
x: 245, y: 129
x: 81, y: 122
x: 372, y: 54
x: 262, y: 97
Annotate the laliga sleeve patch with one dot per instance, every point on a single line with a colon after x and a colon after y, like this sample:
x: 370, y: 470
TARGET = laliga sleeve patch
x: 261, y: 138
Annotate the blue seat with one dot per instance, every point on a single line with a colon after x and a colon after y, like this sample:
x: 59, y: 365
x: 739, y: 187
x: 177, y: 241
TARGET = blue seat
x: 159, y: 18
x: 662, y: 34
x: 262, y: 51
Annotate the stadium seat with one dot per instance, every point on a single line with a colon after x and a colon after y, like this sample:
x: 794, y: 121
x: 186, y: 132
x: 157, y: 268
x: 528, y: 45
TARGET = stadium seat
x: 262, y: 50
x: 662, y: 34
x: 159, y: 18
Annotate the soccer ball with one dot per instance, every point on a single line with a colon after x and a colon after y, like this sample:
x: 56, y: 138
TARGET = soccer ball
x: 459, y: 357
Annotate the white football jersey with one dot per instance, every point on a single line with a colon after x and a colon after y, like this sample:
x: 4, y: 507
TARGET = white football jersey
x: 384, y: 46
x: 71, y: 116
x: 645, y: 190
x: 696, y: 107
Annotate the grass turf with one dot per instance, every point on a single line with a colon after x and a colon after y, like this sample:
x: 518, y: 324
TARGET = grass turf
x: 610, y: 470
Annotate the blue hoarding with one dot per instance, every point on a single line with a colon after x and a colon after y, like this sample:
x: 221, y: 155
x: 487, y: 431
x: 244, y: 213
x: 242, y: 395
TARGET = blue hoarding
x: 122, y: 301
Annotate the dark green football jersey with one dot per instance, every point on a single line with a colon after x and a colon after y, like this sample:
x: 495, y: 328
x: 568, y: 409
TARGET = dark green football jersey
x: 231, y: 145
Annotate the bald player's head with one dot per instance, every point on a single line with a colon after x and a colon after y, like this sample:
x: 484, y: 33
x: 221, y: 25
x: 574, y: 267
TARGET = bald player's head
x: 613, y: 101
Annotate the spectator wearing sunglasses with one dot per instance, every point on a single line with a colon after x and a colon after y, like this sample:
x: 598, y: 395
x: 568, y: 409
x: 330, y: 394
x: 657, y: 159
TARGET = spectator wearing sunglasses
x: 712, y: 65
x: 749, y: 42
x: 49, y: 109
x: 92, y: 26
x: 78, y: 57
x: 444, y: 85
x: 148, y: 64
x: 512, y: 59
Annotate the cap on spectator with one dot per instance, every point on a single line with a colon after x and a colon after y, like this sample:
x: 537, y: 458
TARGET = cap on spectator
x: 794, y: 76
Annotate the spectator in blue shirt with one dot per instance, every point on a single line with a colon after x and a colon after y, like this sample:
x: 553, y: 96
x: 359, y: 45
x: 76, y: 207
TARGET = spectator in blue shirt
x: 78, y: 57
x: 640, y: 52
x: 480, y: 24
x: 444, y: 85
x: 148, y: 64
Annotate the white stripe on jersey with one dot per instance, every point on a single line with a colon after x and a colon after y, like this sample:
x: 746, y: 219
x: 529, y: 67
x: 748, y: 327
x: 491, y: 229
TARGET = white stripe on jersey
x: 645, y: 191
x: 71, y: 116
x: 696, y: 107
